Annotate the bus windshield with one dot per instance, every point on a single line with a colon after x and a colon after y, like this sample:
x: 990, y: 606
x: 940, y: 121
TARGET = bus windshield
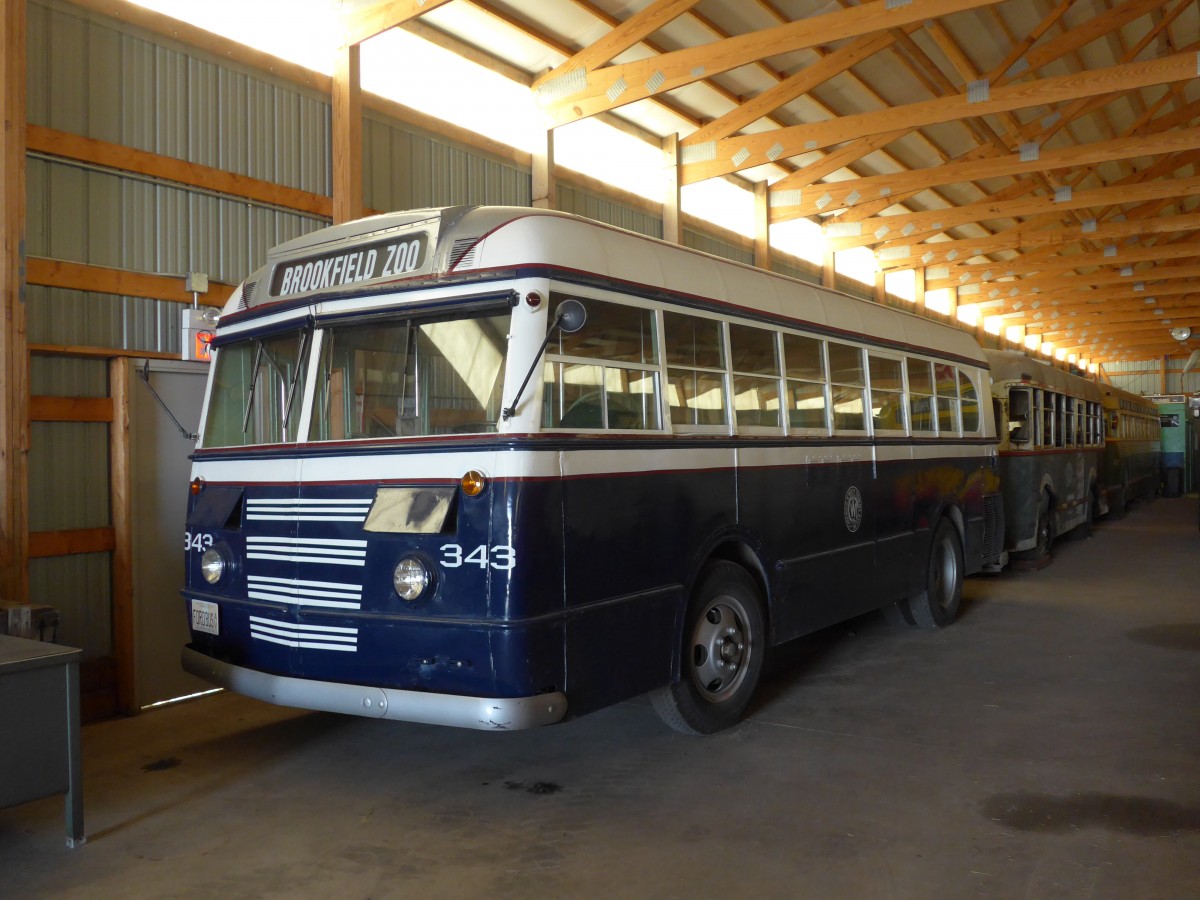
x: 256, y: 390
x: 410, y: 377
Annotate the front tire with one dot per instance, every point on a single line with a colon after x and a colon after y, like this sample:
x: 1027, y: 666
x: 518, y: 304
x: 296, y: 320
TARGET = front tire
x: 937, y: 605
x: 724, y: 642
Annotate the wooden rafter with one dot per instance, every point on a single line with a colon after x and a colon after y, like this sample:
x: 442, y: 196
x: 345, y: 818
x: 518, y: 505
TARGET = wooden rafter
x: 829, y: 197
x: 571, y: 97
x: 744, y: 151
x: 941, y: 219
x: 638, y: 26
x: 363, y: 22
x: 1022, y: 238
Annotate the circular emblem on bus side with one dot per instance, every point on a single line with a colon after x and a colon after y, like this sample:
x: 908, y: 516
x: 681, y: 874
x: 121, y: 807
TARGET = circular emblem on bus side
x: 852, y: 509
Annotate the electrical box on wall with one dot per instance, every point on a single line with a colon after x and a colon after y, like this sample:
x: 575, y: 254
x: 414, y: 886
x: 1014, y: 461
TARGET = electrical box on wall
x: 199, y: 326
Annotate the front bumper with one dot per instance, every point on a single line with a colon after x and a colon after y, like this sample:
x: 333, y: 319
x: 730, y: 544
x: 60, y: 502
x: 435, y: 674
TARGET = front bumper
x: 483, y: 713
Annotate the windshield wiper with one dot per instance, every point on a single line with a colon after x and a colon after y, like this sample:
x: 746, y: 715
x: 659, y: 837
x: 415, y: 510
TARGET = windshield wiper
x: 258, y: 352
x: 287, y: 407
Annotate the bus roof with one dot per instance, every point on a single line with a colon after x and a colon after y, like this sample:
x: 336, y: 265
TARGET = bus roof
x: 465, y: 241
x: 1010, y: 366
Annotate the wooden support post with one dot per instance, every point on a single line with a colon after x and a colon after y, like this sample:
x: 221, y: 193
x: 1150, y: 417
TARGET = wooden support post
x: 545, y: 180
x: 879, y: 288
x: 919, y: 288
x: 672, y: 219
x: 14, y: 356
x: 762, y: 226
x: 121, y: 501
x: 829, y: 269
x: 952, y: 305
x: 347, y: 136
x: 1166, y: 361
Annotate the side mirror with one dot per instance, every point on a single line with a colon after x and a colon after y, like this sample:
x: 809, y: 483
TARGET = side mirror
x: 570, y: 316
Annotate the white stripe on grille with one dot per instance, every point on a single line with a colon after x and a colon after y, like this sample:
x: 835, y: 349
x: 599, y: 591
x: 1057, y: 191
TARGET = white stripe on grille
x: 306, y: 637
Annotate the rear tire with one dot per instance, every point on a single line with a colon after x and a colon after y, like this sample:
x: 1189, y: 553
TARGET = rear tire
x: 937, y: 605
x: 724, y: 642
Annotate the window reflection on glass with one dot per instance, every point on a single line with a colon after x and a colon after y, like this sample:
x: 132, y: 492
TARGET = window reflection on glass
x: 803, y: 357
x: 583, y: 396
x: 756, y: 401
x: 257, y: 385
x: 970, y: 403
x: 848, y: 409
x: 410, y: 377
x: 696, y: 397
x: 920, y: 396
x: 613, y: 332
x: 753, y: 351
x: 947, y: 408
x: 693, y: 341
x: 845, y: 364
x: 887, y: 393
x: 806, y: 405
x: 887, y: 410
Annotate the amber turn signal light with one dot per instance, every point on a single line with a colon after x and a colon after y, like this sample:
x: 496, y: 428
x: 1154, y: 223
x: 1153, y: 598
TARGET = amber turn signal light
x: 473, y: 483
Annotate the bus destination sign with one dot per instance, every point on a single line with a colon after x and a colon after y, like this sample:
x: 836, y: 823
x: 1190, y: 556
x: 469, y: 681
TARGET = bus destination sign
x: 394, y: 257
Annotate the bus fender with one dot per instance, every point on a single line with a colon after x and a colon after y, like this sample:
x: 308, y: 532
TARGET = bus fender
x: 731, y: 544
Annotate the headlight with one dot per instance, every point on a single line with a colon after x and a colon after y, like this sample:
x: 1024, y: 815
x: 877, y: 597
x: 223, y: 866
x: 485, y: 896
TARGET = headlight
x: 212, y: 565
x: 410, y: 578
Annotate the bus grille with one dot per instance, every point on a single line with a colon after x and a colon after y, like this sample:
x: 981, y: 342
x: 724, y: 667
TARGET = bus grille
x: 993, y: 526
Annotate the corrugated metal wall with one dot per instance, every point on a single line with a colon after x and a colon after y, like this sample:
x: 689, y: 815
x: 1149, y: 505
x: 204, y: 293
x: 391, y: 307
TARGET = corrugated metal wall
x: 404, y: 168
x: 1146, y: 378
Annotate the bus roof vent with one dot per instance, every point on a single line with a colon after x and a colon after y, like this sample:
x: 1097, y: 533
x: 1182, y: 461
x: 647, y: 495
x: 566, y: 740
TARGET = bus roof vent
x: 247, y: 294
x: 463, y: 253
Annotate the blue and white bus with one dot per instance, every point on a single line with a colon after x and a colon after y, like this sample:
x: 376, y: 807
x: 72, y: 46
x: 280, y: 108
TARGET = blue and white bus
x: 497, y: 467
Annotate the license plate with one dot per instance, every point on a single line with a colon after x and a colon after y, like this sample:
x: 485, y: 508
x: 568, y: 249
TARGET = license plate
x: 206, y: 617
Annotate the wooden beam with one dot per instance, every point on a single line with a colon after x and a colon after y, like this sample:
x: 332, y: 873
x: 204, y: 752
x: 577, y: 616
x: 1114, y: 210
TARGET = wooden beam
x: 745, y: 151
x: 1100, y: 302
x: 359, y: 23
x: 793, y: 86
x: 97, y: 352
x: 975, y: 272
x: 1022, y: 238
x: 61, y: 144
x: 101, y: 280
x: 69, y: 542
x: 859, y: 148
x: 939, y: 220
x: 672, y: 217
x: 642, y: 23
x: 544, y: 185
x: 900, y: 185
x: 70, y: 409
x: 762, y: 227
x: 1079, y: 282
x: 120, y: 491
x: 569, y: 98
x: 14, y: 361
x: 347, y: 136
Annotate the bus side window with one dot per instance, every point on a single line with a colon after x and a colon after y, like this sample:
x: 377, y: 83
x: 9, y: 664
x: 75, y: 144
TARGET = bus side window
x: 887, y: 393
x: 970, y: 402
x: 605, y: 375
x: 1019, y: 405
x: 947, y: 398
x: 848, y: 386
x: 696, y: 369
x: 920, y: 396
x: 804, y: 363
x: 754, y: 358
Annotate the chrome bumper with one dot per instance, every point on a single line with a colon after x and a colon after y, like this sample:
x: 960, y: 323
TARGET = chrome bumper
x: 484, y: 713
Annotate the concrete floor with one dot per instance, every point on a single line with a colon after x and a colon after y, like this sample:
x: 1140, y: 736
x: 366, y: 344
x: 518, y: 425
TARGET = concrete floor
x: 1045, y: 746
